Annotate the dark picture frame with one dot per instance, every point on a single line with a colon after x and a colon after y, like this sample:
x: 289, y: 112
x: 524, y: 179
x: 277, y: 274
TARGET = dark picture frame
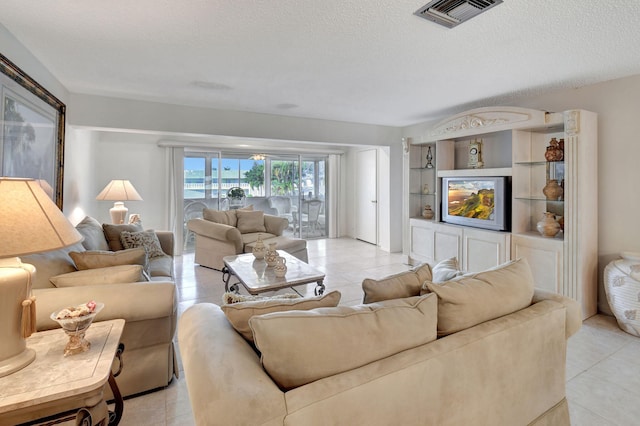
x: 32, y: 131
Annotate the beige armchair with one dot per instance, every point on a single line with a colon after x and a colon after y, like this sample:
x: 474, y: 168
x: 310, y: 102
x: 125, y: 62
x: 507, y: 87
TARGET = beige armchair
x: 227, y: 233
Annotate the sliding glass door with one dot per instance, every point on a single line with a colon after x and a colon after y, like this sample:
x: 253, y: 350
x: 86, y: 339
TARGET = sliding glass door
x: 290, y: 186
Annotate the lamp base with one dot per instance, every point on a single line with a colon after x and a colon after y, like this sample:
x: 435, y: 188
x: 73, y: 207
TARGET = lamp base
x: 18, y: 362
x: 14, y: 289
x: 118, y: 213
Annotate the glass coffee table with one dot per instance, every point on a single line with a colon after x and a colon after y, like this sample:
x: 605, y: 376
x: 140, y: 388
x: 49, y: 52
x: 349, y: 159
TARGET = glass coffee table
x: 256, y: 277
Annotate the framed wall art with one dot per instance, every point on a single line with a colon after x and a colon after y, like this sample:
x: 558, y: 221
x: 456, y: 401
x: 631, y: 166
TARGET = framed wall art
x: 32, y: 131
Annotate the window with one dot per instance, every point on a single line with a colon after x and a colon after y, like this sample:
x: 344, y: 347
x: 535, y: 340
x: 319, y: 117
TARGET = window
x: 194, y: 178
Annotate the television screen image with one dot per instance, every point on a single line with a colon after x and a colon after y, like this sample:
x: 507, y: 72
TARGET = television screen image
x: 472, y: 199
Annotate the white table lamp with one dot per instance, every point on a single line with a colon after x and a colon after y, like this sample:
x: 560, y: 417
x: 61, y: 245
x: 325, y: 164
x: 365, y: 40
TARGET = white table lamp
x: 119, y: 191
x: 29, y: 223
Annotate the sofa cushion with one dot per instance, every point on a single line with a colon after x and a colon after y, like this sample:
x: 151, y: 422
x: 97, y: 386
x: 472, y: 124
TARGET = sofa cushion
x: 51, y: 263
x: 471, y: 299
x: 144, y: 239
x: 161, y: 267
x: 397, y: 286
x: 250, y: 221
x: 288, y: 244
x: 93, y: 234
x: 446, y: 270
x: 225, y: 217
x: 299, y: 347
x: 112, y: 233
x: 100, y: 276
x: 93, y: 259
x: 239, y: 313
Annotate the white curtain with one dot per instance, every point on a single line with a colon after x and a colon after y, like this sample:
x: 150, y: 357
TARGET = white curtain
x: 176, y: 196
x: 333, y: 185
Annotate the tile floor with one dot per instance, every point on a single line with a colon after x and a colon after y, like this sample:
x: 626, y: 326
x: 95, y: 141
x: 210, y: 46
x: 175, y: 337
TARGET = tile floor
x: 603, y: 366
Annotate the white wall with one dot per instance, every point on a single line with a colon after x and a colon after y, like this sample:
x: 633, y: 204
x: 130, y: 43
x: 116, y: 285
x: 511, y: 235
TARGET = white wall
x: 618, y: 108
x: 121, y: 134
x: 11, y: 48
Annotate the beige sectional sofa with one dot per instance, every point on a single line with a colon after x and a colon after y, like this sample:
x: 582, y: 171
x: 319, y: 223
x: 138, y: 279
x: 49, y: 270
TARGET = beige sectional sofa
x: 497, y: 359
x: 230, y: 232
x: 148, y: 308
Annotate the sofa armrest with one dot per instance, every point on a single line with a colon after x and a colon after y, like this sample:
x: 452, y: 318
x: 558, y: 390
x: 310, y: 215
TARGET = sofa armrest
x: 130, y: 301
x: 222, y: 369
x: 275, y: 224
x: 574, y: 311
x: 217, y: 231
x: 166, y: 241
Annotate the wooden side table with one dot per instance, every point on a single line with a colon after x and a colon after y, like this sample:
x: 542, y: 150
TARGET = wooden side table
x: 55, y: 384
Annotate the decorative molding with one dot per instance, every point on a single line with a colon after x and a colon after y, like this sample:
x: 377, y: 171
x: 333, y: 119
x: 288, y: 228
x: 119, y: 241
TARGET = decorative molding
x: 572, y: 123
x: 485, y: 120
x: 406, y: 145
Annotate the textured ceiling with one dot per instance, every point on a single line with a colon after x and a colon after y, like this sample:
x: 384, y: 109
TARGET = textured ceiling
x: 350, y: 60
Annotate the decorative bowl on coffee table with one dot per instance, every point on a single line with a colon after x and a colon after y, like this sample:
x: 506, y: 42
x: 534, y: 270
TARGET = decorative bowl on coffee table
x: 76, y: 327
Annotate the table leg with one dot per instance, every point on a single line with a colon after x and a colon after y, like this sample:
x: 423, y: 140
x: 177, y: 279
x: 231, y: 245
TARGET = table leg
x: 226, y: 277
x: 114, y: 417
x: 319, y: 290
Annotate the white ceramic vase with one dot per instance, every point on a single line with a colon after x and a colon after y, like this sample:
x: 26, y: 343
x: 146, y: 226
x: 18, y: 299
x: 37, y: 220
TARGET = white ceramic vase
x: 271, y: 256
x: 259, y: 248
x: 281, y: 267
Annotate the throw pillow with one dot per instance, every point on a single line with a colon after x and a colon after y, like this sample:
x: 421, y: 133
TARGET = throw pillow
x: 343, y: 338
x: 108, y: 275
x: 93, y: 259
x: 112, y: 233
x: 145, y: 239
x: 446, y: 270
x: 93, y: 234
x: 250, y: 221
x: 238, y: 314
x: 404, y: 284
x: 475, y: 298
x: 225, y: 217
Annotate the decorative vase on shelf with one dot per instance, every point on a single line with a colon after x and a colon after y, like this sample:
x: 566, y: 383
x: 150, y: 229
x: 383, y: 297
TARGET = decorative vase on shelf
x: 554, y: 153
x: 281, y: 267
x: 429, y: 164
x: 259, y: 249
x: 271, y: 256
x: 548, y: 227
x: 552, y: 190
x: 427, y: 213
x: 425, y: 188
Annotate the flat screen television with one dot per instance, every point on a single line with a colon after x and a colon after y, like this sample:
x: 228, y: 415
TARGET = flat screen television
x: 482, y: 202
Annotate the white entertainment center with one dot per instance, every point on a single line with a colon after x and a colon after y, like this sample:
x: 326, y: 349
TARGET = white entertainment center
x: 513, y: 144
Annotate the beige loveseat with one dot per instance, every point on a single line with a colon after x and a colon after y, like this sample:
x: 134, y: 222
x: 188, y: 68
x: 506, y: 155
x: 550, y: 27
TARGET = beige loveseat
x: 369, y: 364
x: 230, y: 232
x: 148, y: 308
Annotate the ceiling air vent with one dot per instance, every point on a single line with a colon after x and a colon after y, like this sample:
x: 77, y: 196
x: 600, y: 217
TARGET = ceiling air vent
x: 453, y: 12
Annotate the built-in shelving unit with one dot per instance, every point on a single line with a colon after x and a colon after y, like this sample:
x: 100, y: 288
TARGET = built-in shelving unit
x: 514, y: 141
x: 422, y: 178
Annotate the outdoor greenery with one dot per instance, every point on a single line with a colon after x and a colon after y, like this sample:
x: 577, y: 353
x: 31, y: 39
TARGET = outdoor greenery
x: 255, y: 176
x: 284, y: 177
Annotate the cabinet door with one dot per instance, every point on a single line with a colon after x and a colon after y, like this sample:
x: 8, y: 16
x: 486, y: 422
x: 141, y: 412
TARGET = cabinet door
x: 545, y: 257
x: 447, y: 242
x: 484, y: 249
x: 421, y: 240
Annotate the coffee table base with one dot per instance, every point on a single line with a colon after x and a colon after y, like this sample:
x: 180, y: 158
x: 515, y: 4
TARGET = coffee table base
x: 257, y: 277
x: 235, y: 288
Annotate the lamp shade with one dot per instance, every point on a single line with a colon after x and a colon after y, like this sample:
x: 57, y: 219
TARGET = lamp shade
x: 119, y: 190
x: 30, y: 222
